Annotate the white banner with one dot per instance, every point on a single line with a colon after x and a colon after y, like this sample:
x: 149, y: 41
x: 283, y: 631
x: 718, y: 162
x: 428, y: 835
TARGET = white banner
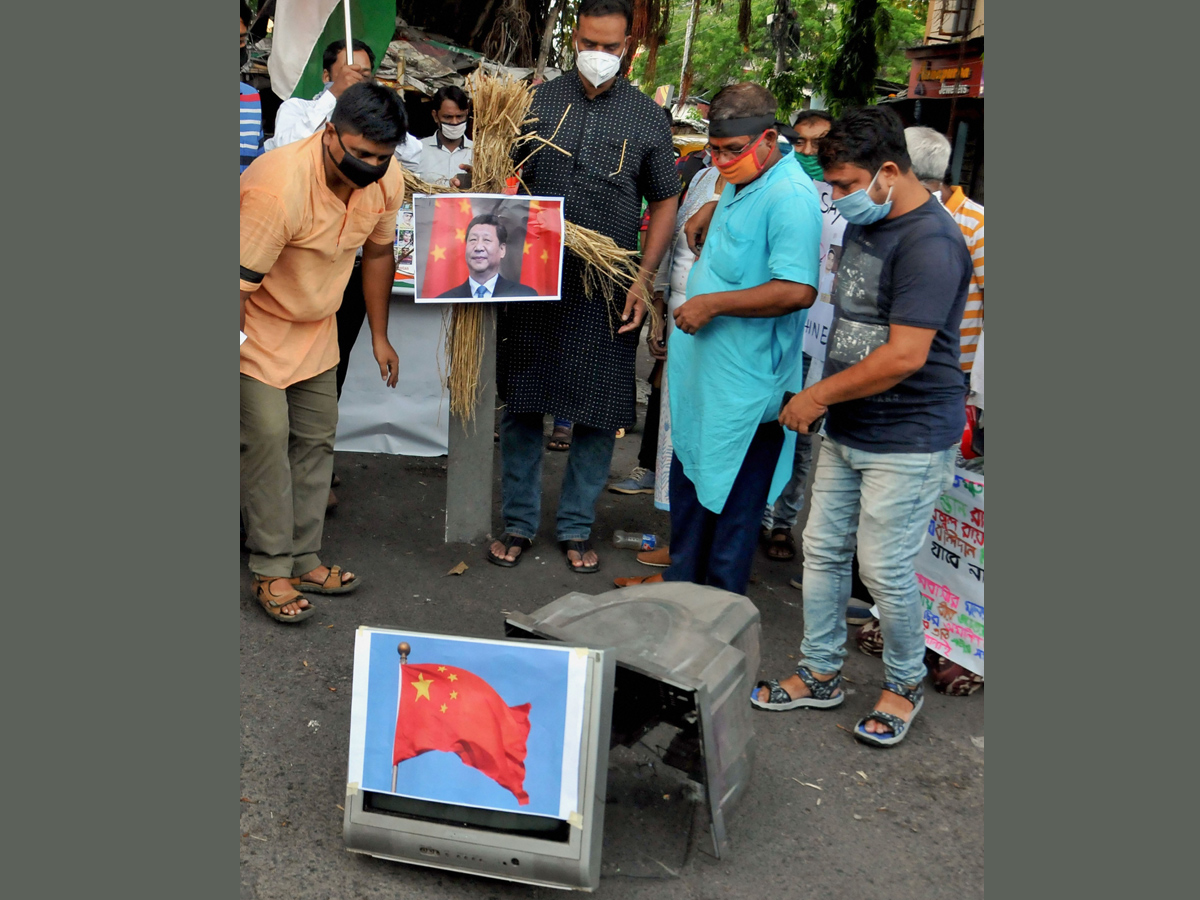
x: 950, y: 573
x: 820, y: 314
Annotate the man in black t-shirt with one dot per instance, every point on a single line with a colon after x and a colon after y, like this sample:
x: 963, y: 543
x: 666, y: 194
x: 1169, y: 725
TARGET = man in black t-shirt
x: 893, y: 395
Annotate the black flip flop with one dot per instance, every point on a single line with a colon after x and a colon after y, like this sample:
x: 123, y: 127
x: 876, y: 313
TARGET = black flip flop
x: 580, y: 547
x: 509, y: 541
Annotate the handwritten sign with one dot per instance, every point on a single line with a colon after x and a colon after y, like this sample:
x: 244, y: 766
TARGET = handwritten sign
x: 950, y: 573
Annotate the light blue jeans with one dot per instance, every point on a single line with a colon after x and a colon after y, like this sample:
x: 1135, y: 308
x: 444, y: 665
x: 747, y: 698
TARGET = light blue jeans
x: 886, y: 499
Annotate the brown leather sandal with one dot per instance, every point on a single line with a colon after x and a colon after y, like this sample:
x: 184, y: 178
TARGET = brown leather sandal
x: 333, y: 584
x: 273, y: 604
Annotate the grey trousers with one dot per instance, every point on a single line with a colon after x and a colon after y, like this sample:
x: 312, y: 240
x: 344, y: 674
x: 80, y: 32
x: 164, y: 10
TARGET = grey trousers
x: 287, y: 463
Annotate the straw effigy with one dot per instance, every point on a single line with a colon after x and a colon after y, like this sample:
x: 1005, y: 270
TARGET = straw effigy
x: 501, y: 106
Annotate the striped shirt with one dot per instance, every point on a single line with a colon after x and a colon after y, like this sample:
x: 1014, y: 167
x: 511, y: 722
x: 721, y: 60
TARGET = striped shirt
x: 969, y: 216
x: 251, y: 125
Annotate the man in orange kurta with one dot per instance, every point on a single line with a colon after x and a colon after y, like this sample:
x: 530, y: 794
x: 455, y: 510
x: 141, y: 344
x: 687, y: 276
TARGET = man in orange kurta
x: 305, y: 210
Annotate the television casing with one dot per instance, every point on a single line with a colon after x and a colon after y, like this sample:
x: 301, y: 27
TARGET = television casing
x: 444, y: 841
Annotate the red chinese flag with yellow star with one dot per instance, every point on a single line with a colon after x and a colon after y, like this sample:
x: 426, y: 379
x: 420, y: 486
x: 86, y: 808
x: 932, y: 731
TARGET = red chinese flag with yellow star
x: 446, y: 265
x: 543, y: 238
x: 450, y: 709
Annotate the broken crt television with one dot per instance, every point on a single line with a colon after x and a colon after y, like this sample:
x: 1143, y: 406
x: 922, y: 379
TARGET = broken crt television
x: 482, y: 756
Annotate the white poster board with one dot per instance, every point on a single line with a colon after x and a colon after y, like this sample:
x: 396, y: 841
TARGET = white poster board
x: 950, y: 573
x: 820, y: 314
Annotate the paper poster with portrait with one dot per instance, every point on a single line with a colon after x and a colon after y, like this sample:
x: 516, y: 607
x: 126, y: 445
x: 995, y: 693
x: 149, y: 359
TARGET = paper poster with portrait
x: 487, y: 248
x: 820, y: 314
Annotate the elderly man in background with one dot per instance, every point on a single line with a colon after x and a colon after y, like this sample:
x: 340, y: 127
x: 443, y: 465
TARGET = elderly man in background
x: 574, y: 359
x: 930, y: 153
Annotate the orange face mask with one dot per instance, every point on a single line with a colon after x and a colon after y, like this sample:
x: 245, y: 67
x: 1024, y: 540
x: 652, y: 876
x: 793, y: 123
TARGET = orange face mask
x: 744, y: 167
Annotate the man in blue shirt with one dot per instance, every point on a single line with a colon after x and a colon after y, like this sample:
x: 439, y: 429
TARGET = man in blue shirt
x: 736, y: 347
x: 893, y: 393
x: 251, y: 106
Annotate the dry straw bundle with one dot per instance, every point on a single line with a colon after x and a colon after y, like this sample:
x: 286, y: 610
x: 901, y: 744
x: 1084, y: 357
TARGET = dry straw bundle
x: 501, y: 105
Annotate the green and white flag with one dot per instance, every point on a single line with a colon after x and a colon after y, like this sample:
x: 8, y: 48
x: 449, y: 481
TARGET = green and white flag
x: 304, y: 28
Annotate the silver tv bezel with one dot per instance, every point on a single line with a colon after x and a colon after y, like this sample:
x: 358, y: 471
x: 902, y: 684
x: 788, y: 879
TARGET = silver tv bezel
x: 570, y: 865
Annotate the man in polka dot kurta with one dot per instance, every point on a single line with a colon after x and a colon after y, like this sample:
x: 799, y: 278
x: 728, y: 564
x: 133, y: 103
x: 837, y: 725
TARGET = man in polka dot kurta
x: 574, y: 359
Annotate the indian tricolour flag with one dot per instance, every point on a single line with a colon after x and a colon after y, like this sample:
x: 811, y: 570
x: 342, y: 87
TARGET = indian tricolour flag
x: 304, y: 28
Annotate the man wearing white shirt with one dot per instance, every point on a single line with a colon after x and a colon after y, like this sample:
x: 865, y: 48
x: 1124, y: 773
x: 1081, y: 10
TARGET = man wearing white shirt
x: 445, y: 151
x: 298, y: 118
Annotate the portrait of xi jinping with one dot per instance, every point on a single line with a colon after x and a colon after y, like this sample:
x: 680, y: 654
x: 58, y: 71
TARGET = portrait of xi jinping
x: 484, y: 247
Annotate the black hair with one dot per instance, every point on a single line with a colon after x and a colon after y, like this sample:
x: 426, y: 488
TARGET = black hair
x: 247, y: 16
x: 606, y: 8
x: 329, y: 57
x: 742, y: 100
x: 805, y: 114
x: 670, y: 118
x: 866, y: 137
x: 372, y: 110
x: 494, y: 221
x: 454, y: 94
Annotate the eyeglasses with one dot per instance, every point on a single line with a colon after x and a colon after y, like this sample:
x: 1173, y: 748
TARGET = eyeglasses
x: 726, y: 152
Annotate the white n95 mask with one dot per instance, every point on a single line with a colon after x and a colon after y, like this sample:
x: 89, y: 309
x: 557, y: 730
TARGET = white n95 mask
x: 454, y: 132
x: 597, y: 66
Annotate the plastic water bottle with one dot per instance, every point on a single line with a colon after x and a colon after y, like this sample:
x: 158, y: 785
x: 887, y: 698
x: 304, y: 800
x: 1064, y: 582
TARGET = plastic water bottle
x: 632, y: 540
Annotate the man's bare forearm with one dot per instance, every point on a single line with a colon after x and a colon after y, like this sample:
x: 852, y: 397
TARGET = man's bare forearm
x: 775, y: 298
x: 378, y: 274
x: 883, y: 368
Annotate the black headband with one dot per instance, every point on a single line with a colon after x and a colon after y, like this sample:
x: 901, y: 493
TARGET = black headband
x: 723, y: 128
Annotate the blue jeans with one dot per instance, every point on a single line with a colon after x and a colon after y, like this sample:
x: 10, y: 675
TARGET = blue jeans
x: 588, y: 462
x: 717, y: 549
x: 887, y: 499
x: 787, y: 508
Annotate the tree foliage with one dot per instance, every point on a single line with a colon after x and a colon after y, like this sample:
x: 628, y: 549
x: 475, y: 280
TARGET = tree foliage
x: 816, y: 35
x: 718, y: 55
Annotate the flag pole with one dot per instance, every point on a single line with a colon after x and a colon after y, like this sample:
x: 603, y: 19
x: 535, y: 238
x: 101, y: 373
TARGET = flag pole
x: 403, y: 647
x: 349, y: 43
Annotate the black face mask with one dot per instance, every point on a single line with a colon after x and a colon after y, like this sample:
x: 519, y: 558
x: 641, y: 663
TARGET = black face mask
x: 359, y: 172
x: 245, y: 57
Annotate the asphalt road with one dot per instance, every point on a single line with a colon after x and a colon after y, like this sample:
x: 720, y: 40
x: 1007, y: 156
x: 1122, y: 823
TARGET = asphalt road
x: 904, y: 823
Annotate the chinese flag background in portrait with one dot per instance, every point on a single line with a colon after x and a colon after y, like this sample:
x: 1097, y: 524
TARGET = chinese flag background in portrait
x: 445, y: 266
x: 450, y: 709
x: 543, y: 238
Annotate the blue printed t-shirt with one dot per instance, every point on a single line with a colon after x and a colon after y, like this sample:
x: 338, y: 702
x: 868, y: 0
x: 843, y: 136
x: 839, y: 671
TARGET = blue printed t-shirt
x: 729, y: 378
x: 911, y: 270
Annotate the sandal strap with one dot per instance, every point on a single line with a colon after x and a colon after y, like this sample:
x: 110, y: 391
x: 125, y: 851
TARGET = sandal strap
x: 912, y: 695
x: 778, y: 694
x: 515, y: 540
x: 581, y: 547
x: 820, y: 690
x: 894, y: 722
x: 262, y: 588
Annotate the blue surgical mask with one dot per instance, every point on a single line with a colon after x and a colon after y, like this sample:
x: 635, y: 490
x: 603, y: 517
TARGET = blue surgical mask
x: 859, y: 209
